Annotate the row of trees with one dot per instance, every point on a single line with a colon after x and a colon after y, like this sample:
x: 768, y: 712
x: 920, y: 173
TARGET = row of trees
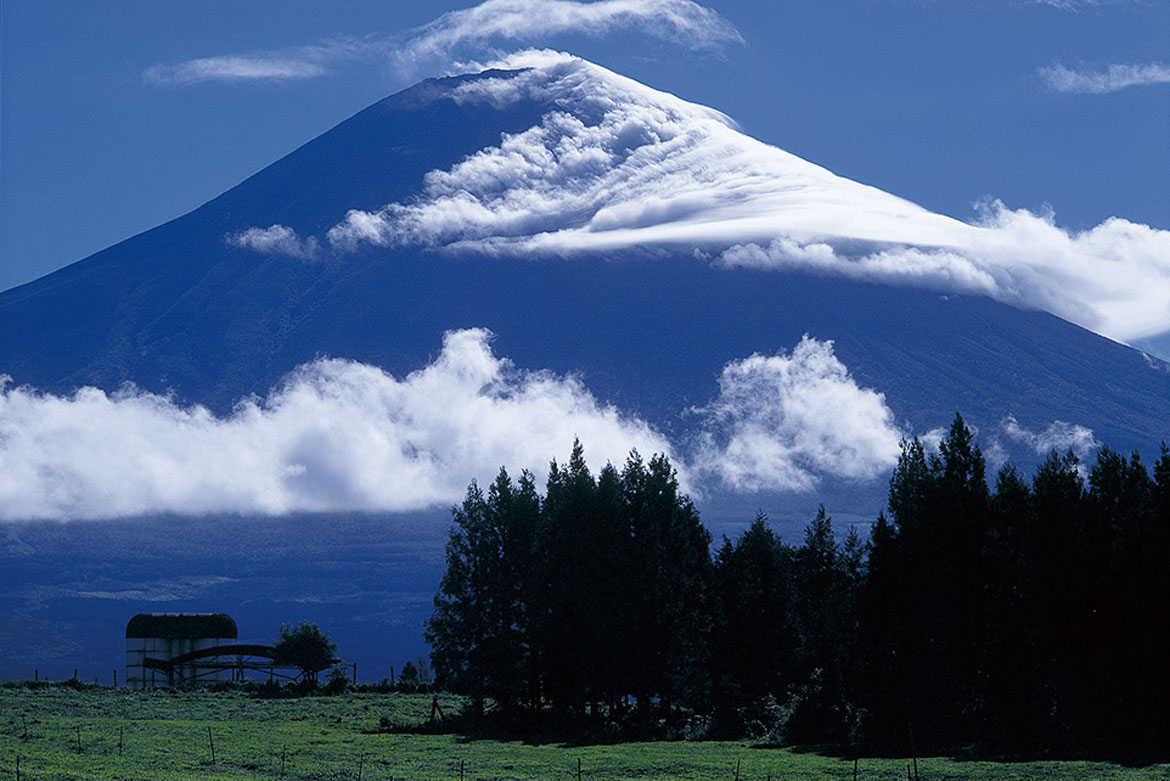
x: 1029, y: 616
x: 582, y: 599
x: 1034, y: 615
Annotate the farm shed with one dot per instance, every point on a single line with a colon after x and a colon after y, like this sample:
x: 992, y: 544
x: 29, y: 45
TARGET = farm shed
x: 165, y: 636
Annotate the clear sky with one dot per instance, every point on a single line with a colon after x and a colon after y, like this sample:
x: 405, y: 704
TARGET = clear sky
x: 108, y: 129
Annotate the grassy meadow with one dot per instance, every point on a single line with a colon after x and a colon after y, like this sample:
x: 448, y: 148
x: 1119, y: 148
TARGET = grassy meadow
x: 127, y: 734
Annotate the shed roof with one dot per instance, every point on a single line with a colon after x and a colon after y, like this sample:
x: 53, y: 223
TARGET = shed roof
x: 182, y: 625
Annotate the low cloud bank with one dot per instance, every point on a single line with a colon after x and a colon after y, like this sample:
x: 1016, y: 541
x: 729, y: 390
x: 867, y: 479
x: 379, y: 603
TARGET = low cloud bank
x: 340, y: 435
x: 334, y: 435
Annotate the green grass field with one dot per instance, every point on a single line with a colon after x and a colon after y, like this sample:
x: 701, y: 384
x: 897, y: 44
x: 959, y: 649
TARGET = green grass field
x: 127, y: 734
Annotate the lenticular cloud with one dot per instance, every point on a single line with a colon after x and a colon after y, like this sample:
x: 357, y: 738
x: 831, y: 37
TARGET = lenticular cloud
x: 614, y: 165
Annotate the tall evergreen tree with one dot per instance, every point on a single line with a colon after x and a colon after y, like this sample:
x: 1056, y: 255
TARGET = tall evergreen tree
x: 457, y: 629
x: 824, y: 611
x: 670, y: 617
x: 754, y: 652
x: 570, y: 564
x: 480, y: 632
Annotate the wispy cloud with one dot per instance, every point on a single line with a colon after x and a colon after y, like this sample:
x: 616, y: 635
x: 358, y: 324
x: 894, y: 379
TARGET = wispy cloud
x: 780, y: 422
x: 1058, y: 435
x: 1067, y: 5
x: 682, y: 22
x: 285, y: 64
x: 466, y: 32
x: 260, y: 67
x: 1099, y: 82
x: 276, y: 240
x: 1080, y: 5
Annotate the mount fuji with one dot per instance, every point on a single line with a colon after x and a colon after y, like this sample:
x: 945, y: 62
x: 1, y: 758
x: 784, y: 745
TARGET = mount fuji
x: 548, y: 234
x: 474, y: 271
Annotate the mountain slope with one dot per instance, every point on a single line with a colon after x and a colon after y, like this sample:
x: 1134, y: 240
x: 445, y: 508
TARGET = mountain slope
x: 599, y: 229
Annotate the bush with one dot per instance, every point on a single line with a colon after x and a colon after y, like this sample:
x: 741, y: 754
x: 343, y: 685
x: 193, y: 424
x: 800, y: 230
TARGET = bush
x: 338, y: 680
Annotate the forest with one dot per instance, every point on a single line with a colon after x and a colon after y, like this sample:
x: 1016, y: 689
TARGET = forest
x: 1024, y: 618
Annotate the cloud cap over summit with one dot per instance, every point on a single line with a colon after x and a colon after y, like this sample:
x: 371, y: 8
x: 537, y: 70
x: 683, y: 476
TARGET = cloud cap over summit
x: 613, y: 165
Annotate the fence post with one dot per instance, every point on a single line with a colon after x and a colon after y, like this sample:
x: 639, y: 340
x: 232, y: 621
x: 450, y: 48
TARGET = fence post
x: 78, y: 728
x: 211, y: 742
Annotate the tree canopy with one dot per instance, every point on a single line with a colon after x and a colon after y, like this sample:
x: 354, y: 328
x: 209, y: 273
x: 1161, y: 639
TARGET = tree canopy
x: 305, y: 647
x: 1026, y: 616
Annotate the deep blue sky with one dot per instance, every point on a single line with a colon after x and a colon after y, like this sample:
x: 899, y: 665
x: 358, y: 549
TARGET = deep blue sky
x: 939, y: 101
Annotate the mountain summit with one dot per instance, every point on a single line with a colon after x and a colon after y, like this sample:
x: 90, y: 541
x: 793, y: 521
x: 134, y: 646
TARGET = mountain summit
x: 629, y: 250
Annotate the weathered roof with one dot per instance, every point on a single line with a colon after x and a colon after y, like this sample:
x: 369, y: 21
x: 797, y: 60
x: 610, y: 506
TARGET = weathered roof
x: 182, y: 625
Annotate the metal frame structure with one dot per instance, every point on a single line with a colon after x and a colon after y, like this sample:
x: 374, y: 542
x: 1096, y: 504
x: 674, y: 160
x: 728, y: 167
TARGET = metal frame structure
x: 209, y: 663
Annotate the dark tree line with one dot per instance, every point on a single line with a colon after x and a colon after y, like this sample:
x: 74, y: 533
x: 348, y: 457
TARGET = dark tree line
x: 1032, y: 616
x: 588, y: 599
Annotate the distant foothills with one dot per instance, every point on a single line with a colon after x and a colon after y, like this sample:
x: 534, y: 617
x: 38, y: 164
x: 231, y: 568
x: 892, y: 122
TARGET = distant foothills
x: 1016, y: 620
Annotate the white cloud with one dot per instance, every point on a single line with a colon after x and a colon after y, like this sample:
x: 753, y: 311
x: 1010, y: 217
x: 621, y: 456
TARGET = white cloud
x: 1113, y: 279
x: 614, y: 165
x: 340, y: 435
x: 682, y: 22
x: 1077, y: 5
x: 288, y: 63
x: 1098, y: 82
x: 1059, y: 436
x: 909, y: 266
x: 276, y: 240
x: 261, y: 67
x: 335, y: 434
x: 781, y: 421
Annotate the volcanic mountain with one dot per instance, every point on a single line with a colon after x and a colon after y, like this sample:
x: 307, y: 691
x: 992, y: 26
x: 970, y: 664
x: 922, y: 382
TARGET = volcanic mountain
x: 616, y: 238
